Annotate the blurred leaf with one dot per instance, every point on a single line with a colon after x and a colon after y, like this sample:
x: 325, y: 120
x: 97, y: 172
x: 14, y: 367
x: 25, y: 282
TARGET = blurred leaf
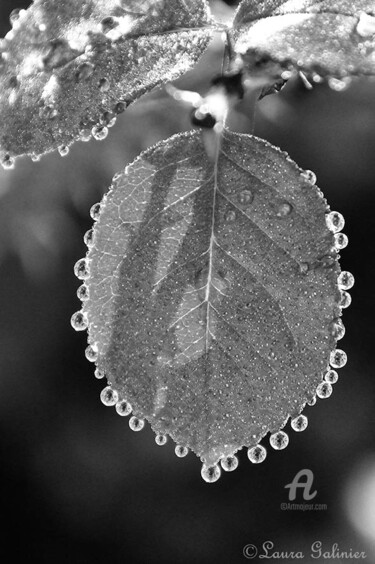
x: 212, y: 290
x: 329, y: 38
x: 66, y: 65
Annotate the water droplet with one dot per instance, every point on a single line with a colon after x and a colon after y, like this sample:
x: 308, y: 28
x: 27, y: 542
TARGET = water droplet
x: 181, y: 451
x: 324, y: 390
x: 79, y: 321
x: 303, y: 267
x: 107, y: 24
x: 210, y: 474
x: 335, y: 221
x: 99, y: 374
x: 230, y: 216
x: 88, y: 238
x: 91, y: 353
x: 81, y: 269
x: 48, y: 112
x: 7, y: 162
x: 120, y: 107
x: 95, y: 211
x: 84, y: 71
x: 366, y: 25
x: 338, y: 329
x: 284, y: 209
x: 229, y: 463
x: 312, y: 401
x: 331, y: 376
x: 108, y: 119
x: 99, y: 132
x: 161, y: 440
x: 104, y: 85
x: 345, y: 300
x: 85, y: 134
x: 60, y: 53
x: 14, y: 16
x: 63, y: 150
x: 109, y: 396
x: 299, y: 423
x: 257, y: 454
x: 309, y: 175
x: 245, y: 197
x: 35, y: 158
x: 341, y: 241
x: 338, y: 358
x: 279, y: 440
x: 136, y: 424
x: 83, y: 293
x: 345, y: 280
x: 339, y: 84
x: 123, y: 408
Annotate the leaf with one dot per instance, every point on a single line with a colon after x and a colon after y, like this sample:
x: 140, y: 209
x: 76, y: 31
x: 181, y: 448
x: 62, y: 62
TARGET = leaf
x: 335, y: 38
x: 213, y: 290
x: 69, y: 66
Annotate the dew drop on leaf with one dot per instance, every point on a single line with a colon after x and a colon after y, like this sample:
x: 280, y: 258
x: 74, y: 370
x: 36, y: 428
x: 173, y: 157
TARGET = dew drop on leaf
x: 279, y: 440
x: 345, y: 280
x: 63, y: 150
x: 324, y: 390
x: 91, y: 353
x: 136, y: 424
x: 99, y: 132
x: 345, y: 299
x: 284, y: 209
x: 7, y: 162
x: 95, y: 211
x: 335, y: 221
x: 341, y: 241
x: 79, y: 321
x: 245, y: 197
x: 99, y: 374
x: 81, y: 269
x: 181, y: 451
x: 309, y: 175
x: 211, y: 474
x: 299, y: 423
x: 338, y: 329
x: 89, y: 238
x: 331, y: 376
x: 257, y: 454
x: 83, y: 293
x: 338, y: 358
x: 161, y: 440
x: 123, y: 408
x: 229, y: 463
x: 109, y: 396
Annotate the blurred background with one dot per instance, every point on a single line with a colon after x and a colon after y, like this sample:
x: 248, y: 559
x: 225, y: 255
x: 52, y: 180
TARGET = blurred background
x: 77, y: 486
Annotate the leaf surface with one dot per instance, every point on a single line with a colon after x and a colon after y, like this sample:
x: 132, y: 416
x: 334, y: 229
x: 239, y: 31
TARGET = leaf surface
x: 67, y: 64
x: 330, y: 38
x: 213, y: 290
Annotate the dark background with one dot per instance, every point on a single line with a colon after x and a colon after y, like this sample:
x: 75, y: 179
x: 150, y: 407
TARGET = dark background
x: 77, y: 486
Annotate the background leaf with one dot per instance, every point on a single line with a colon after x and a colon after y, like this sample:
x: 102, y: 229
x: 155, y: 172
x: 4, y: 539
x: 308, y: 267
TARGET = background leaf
x: 329, y: 38
x: 65, y: 65
x: 213, y: 290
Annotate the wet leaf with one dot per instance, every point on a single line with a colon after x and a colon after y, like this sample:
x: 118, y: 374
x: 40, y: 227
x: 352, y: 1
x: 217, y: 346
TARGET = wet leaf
x: 69, y: 66
x: 317, y: 36
x: 213, y: 290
